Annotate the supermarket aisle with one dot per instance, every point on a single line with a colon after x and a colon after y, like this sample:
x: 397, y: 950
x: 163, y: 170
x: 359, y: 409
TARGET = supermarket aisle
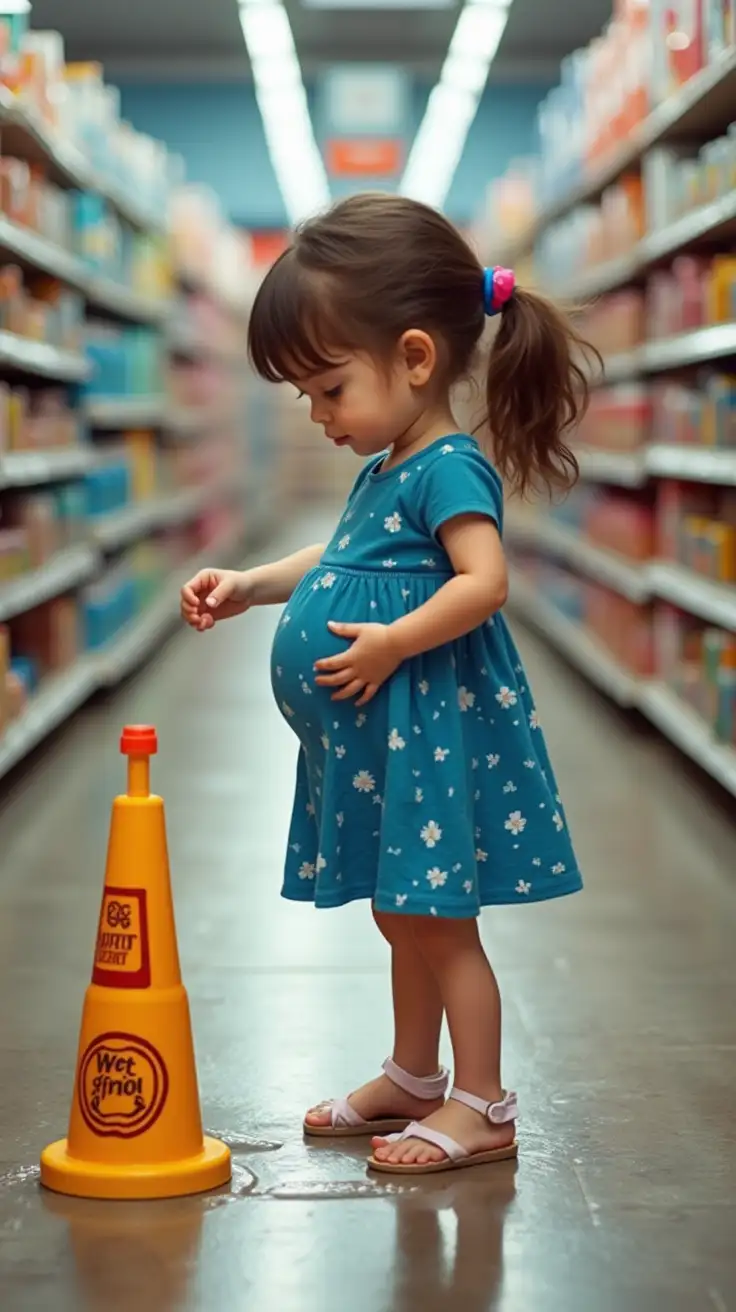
x: 619, y: 1033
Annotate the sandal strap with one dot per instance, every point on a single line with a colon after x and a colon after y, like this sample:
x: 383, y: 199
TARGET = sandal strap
x: 453, y: 1150
x: 426, y: 1087
x: 498, y: 1113
x: 342, y: 1114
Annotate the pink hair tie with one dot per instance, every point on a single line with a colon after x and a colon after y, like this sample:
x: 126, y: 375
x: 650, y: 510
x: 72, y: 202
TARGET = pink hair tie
x: 498, y: 288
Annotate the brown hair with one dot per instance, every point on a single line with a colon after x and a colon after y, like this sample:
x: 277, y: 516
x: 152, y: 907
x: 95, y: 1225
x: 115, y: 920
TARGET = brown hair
x: 374, y: 266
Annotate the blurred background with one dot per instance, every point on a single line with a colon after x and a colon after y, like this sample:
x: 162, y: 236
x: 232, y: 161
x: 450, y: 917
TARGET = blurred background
x: 154, y: 155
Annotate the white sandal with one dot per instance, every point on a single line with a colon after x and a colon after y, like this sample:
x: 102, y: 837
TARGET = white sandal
x: 345, y: 1122
x: 457, y: 1157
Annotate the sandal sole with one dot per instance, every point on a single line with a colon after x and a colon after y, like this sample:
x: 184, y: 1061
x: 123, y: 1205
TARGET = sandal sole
x: 435, y: 1168
x: 355, y: 1131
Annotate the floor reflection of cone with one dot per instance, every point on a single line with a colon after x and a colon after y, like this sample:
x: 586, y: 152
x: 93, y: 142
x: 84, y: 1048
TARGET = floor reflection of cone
x: 135, y: 1128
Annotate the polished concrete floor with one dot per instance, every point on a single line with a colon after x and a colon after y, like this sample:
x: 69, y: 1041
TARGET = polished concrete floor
x: 620, y: 1032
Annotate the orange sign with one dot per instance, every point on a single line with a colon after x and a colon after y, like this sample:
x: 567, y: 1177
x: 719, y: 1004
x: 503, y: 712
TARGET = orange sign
x: 364, y: 157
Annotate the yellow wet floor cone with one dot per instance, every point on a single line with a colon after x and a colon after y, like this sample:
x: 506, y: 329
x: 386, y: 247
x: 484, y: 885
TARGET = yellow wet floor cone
x: 135, y: 1129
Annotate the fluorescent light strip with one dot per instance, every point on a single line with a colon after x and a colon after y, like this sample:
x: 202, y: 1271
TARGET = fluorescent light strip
x: 282, y: 101
x: 453, y: 101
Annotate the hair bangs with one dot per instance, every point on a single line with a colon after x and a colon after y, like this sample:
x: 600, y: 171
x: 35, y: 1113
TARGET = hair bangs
x: 294, y: 329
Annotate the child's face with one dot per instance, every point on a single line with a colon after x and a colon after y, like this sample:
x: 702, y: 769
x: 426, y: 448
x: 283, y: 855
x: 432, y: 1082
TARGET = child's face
x: 362, y: 404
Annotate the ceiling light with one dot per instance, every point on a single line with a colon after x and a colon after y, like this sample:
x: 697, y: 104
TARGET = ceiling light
x: 282, y: 102
x: 453, y: 102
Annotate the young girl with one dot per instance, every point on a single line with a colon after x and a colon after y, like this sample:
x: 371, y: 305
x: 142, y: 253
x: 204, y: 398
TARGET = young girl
x: 423, y: 780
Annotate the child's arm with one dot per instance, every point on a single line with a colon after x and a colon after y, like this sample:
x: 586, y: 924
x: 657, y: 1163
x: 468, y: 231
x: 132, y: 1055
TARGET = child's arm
x: 221, y: 594
x: 477, y: 590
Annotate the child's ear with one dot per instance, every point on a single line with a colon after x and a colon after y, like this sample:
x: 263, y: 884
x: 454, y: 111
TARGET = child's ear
x: 419, y: 355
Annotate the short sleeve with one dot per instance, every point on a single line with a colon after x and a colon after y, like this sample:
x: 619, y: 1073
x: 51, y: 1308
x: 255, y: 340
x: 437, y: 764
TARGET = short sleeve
x: 459, y: 483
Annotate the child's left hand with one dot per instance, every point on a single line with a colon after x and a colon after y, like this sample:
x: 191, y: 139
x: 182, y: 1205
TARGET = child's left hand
x: 368, y: 663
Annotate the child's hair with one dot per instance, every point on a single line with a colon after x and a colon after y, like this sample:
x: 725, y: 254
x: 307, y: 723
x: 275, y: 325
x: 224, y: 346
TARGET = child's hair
x: 373, y: 266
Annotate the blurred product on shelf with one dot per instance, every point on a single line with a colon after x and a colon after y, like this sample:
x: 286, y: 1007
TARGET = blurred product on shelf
x: 696, y: 527
x: 698, y: 662
x: 40, y: 308
x: 619, y: 418
x: 125, y: 361
x: 37, y: 419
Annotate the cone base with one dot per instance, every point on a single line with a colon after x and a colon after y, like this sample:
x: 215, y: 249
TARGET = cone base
x: 63, y: 1174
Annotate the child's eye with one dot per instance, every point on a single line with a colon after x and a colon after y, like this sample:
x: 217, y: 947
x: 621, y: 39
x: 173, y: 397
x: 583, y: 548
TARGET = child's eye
x: 334, y: 392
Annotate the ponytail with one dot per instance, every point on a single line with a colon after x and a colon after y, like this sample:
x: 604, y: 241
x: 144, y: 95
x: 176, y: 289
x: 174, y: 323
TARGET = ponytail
x: 537, y: 392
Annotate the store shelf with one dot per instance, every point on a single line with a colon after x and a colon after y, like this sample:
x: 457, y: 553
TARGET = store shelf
x: 714, y: 602
x: 26, y: 136
x: 131, y: 648
x: 66, y: 570
x: 701, y: 109
x: 582, y: 650
x: 63, y: 694
x: 622, y: 468
x: 700, y: 464
x: 712, y: 343
x: 606, y: 567
x: 33, y: 468
x: 125, y: 302
x: 60, y: 697
x: 37, y: 358
x: 688, y: 732
x: 36, y: 252
x: 125, y: 412
x: 113, y: 531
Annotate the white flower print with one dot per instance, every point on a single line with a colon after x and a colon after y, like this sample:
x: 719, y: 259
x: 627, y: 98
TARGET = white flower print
x: 392, y: 523
x: 279, y: 671
x: 344, y: 542
x: 321, y: 864
x: 405, y: 594
x: 418, y: 794
x: 296, y: 847
x: 456, y: 869
x: 437, y: 878
x: 559, y: 869
x: 389, y: 564
x: 516, y: 824
x: 395, y: 741
x: 328, y: 580
x: 465, y: 699
x: 451, y: 792
x: 441, y: 754
x: 303, y: 636
x: 287, y: 710
x: 475, y: 763
x: 286, y: 619
x: 530, y: 765
x: 481, y: 856
x: 360, y: 720
x: 364, y: 782
x: 401, y: 899
x: 311, y: 810
x: 433, y: 911
x: 340, y: 819
x: 510, y: 787
x: 534, y: 720
x: 468, y: 886
x: 424, y: 687
x: 558, y: 822
x: 404, y: 476
x: 537, y: 861
x: 524, y: 888
x: 394, y: 851
x: 506, y: 698
x: 307, y: 870
x: 493, y: 761
x: 374, y: 605
x: 447, y: 450
x: 340, y: 752
x: 417, y: 731
x: 325, y: 742
x: 430, y: 562
x: 306, y: 688
x: 431, y: 834
x: 436, y: 715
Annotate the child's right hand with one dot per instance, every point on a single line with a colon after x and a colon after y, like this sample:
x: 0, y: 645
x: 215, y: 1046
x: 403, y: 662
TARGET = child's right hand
x: 214, y: 595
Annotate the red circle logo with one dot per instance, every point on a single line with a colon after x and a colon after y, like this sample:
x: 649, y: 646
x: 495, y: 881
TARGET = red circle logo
x: 122, y: 1084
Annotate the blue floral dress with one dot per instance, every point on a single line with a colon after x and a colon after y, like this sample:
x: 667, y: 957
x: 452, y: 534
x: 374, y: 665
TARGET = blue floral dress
x: 438, y: 797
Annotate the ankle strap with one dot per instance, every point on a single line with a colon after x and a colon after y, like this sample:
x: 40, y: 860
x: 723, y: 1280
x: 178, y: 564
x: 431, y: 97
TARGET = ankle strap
x: 498, y: 1113
x: 426, y: 1087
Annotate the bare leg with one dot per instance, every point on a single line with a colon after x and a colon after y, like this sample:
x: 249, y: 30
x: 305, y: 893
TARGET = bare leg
x: 417, y: 1025
x: 454, y: 954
